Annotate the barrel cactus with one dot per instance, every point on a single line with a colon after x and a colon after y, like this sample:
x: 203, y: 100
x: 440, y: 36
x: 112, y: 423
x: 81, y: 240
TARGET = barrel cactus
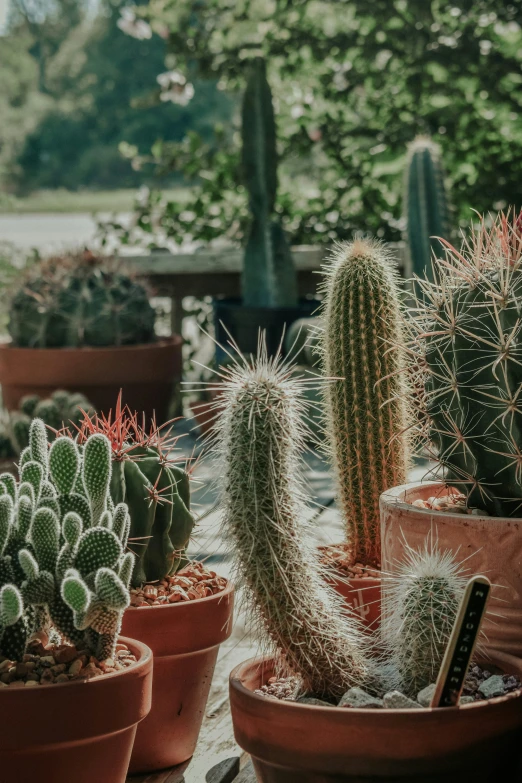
x: 153, y: 486
x: 465, y: 343
x: 425, y: 203
x: 80, y: 299
x: 63, y: 564
x: 366, y: 412
x: 259, y: 442
x: 269, y: 278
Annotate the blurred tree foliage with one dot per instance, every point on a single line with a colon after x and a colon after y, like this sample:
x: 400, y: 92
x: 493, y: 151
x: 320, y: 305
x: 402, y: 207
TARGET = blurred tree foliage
x: 354, y: 82
x: 94, y: 88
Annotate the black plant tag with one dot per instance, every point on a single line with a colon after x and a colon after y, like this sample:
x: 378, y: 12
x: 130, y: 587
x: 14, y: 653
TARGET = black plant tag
x: 462, y: 643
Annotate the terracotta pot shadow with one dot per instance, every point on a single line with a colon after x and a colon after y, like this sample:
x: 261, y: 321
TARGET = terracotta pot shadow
x: 300, y: 743
x: 185, y: 639
x: 76, y: 732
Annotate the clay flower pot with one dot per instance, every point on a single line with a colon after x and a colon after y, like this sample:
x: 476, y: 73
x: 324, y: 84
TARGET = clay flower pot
x: 490, y: 545
x: 79, y: 731
x: 185, y: 639
x: 146, y: 373
x: 292, y: 742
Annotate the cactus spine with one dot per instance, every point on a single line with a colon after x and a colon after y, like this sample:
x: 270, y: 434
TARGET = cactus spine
x: 422, y: 600
x: 260, y: 438
x: 365, y: 400
x: 466, y: 342
x: 425, y: 203
x: 269, y: 278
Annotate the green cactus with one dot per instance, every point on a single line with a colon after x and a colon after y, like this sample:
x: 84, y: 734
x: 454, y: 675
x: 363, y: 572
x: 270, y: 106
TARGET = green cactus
x: 367, y: 421
x: 425, y: 203
x: 260, y: 440
x: 269, y: 278
x: 465, y: 342
x: 79, y: 300
x: 422, y: 601
x: 48, y: 532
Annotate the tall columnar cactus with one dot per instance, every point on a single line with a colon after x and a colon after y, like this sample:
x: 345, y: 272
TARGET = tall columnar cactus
x: 422, y: 601
x: 155, y: 489
x: 365, y: 405
x: 80, y: 300
x: 63, y: 565
x: 466, y: 342
x: 425, y: 203
x: 269, y: 277
x: 260, y: 441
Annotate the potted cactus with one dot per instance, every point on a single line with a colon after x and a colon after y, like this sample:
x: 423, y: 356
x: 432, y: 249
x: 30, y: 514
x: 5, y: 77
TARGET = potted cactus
x: 366, y: 416
x: 64, y: 584
x: 80, y: 323
x: 179, y: 609
x: 333, y: 722
x: 270, y: 297
x: 465, y: 347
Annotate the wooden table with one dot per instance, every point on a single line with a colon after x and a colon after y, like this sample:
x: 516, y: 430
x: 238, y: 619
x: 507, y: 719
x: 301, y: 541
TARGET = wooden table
x: 218, y: 273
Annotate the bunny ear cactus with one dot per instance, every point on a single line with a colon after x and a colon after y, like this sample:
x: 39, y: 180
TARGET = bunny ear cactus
x: 465, y: 342
x: 56, y: 543
x: 425, y: 203
x: 422, y: 601
x: 269, y: 278
x: 366, y: 412
x: 260, y: 442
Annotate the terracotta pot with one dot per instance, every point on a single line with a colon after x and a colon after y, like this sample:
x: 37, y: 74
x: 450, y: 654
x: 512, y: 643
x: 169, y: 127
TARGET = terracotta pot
x: 146, y: 373
x: 489, y: 545
x: 289, y: 742
x: 78, y: 731
x: 185, y: 639
x: 363, y: 596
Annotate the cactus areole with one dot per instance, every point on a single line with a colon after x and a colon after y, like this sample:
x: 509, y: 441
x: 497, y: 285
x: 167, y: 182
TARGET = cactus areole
x: 466, y: 341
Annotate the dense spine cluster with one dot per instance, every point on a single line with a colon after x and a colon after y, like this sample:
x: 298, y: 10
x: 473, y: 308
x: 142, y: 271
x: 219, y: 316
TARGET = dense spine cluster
x: 63, y: 564
x: 260, y: 442
x: 422, y: 601
x: 466, y: 347
x: 366, y: 410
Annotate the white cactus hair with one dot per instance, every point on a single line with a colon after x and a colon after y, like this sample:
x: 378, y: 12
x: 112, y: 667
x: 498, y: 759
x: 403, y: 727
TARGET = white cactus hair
x: 421, y: 601
x: 260, y: 442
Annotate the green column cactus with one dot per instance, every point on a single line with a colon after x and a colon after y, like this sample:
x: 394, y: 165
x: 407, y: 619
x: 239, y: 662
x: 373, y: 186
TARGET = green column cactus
x: 269, y: 278
x: 367, y: 418
x: 259, y: 442
x: 422, y: 601
x: 425, y: 203
x: 466, y: 343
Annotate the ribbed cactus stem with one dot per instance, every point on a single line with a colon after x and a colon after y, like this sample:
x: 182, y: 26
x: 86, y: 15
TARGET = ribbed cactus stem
x: 365, y: 401
x: 425, y: 203
x: 260, y: 442
x: 422, y: 600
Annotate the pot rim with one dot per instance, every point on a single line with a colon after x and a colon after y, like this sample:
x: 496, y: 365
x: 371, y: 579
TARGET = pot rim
x: 163, y: 342
x: 393, y: 498
x: 142, y: 663
x: 226, y: 591
x: 263, y: 660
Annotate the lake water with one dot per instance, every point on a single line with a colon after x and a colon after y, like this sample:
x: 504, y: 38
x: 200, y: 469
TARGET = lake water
x: 49, y: 232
